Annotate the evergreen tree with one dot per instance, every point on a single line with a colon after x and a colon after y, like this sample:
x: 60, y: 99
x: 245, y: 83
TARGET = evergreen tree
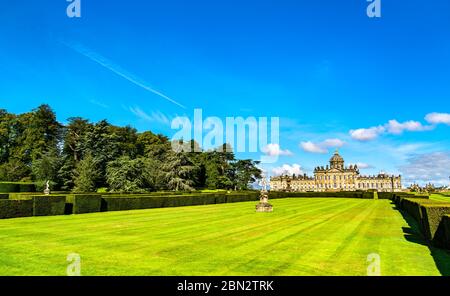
x: 178, y: 171
x: 86, y: 174
x: 125, y: 175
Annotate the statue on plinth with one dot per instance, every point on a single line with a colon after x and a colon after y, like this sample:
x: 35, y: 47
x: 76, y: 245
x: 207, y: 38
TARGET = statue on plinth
x: 47, y: 189
x: 264, y: 205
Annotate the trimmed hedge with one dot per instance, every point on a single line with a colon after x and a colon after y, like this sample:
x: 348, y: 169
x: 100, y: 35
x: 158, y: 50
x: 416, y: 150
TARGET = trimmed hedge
x: 45, y: 205
x: 6, y: 187
x: 15, y: 208
x: 339, y: 194
x: 386, y: 195
x: 83, y: 203
x: 412, y: 207
x: 126, y: 203
x: 443, y: 232
x: 431, y: 219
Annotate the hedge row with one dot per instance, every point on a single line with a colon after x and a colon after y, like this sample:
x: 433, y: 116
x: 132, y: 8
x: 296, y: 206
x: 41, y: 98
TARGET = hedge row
x: 125, y: 203
x: 430, y: 215
x: 444, y: 231
x: 83, y: 203
x: 346, y: 194
x: 15, y: 208
x: 44, y: 205
x: 7, y: 187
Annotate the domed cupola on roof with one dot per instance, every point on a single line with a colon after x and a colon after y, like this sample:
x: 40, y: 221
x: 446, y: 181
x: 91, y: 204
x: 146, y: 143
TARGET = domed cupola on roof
x: 337, y: 162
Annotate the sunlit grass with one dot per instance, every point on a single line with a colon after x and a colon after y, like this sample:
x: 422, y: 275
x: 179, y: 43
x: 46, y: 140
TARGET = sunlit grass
x: 301, y: 237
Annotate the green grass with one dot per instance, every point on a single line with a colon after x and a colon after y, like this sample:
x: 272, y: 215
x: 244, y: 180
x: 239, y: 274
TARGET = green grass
x: 439, y: 197
x: 301, y: 237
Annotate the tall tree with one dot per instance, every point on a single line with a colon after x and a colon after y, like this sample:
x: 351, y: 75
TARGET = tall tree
x: 178, y: 170
x: 74, y: 134
x: 86, y: 174
x: 47, y: 167
x: 40, y: 132
x: 125, y: 175
x: 244, y: 173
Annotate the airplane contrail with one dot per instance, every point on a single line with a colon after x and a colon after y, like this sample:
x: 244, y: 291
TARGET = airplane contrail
x: 117, y: 70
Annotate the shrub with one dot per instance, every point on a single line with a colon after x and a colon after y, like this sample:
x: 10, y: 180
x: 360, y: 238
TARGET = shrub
x: 6, y: 187
x: 385, y: 195
x: 220, y: 198
x: 412, y: 207
x: 4, y: 196
x: 242, y: 197
x: 83, y: 203
x: 15, y: 208
x: 9, y: 187
x: 431, y: 218
x: 443, y: 232
x: 47, y: 205
x: 134, y: 202
x: 368, y: 195
x: 44, y: 205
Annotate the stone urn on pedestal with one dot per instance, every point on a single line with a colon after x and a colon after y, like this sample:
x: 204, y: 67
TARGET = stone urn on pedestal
x: 264, y: 205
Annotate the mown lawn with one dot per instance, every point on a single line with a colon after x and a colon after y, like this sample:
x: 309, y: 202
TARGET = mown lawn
x: 301, y: 237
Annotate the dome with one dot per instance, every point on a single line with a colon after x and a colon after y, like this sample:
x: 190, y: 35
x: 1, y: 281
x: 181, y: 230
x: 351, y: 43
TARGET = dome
x: 336, y: 157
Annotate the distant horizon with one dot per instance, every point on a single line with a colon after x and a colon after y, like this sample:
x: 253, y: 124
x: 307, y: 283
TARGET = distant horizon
x: 376, y: 88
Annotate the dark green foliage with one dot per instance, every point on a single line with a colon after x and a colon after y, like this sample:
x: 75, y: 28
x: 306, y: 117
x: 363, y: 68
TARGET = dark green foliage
x: 243, y: 173
x: 385, y: 195
x: 343, y: 194
x: 9, y: 187
x: 242, y: 197
x: 83, y: 203
x: 14, y: 170
x: 87, y: 175
x: 4, y: 196
x: 125, y: 175
x: 34, y: 146
x: 6, y: 187
x: 47, y: 205
x: 130, y: 202
x: 443, y: 232
x: 431, y: 218
x: 368, y: 195
x: 179, y: 171
x: 47, y: 168
x: 412, y: 207
x: 15, y: 208
x: 126, y: 203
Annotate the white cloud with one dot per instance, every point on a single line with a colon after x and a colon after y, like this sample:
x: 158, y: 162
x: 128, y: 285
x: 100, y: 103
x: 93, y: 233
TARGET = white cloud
x: 153, y: 117
x: 438, y: 118
x: 287, y: 169
x: 275, y: 150
x: 312, y: 148
x: 322, y: 146
x: 367, y: 134
x: 363, y: 165
x: 393, y: 127
x: 424, y: 168
x: 396, y: 128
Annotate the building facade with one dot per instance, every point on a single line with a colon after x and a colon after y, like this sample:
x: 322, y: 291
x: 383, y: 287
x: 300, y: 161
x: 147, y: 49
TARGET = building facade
x: 337, y: 177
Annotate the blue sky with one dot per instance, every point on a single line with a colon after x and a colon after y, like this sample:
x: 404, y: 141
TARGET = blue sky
x: 322, y: 66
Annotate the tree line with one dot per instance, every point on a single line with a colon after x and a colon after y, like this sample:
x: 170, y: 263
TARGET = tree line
x: 82, y: 156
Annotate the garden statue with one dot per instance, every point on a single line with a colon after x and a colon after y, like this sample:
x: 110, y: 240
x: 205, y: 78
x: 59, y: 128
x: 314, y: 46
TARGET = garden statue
x: 264, y: 205
x: 47, y: 189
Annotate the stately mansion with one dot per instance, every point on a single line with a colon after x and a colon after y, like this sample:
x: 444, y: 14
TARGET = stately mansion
x: 337, y: 177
